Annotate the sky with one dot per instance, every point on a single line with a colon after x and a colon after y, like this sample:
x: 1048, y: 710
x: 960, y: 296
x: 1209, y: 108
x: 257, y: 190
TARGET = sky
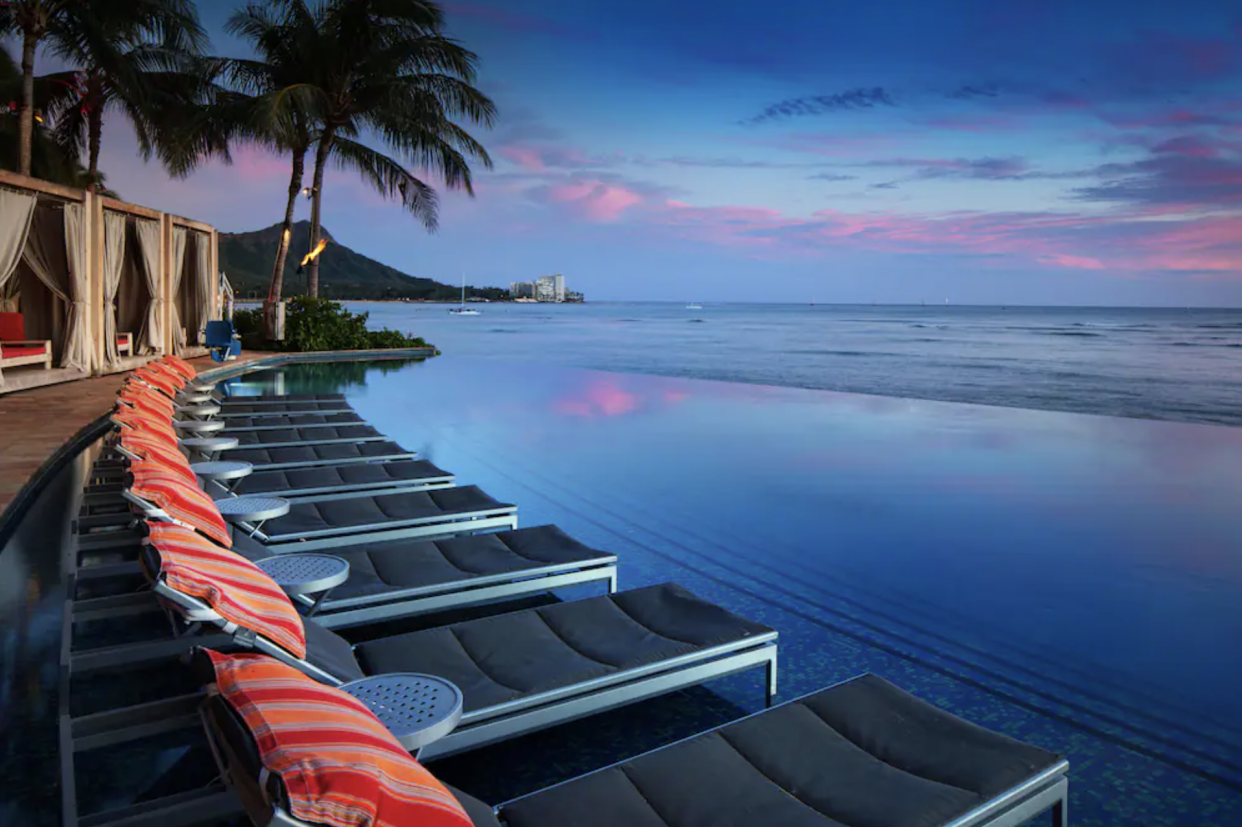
x: 1016, y: 152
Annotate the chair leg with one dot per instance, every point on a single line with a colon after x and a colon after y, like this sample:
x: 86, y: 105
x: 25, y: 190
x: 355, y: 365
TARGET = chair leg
x: 770, y: 675
x: 1060, y: 812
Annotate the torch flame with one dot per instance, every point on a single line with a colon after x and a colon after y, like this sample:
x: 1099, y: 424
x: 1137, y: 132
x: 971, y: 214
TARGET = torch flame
x: 314, y: 254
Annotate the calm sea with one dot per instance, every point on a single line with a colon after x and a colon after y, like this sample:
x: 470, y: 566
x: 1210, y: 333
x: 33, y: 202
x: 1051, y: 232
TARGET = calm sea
x: 1173, y: 364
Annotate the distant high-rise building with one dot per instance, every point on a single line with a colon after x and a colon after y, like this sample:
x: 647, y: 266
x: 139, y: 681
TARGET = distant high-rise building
x: 545, y: 289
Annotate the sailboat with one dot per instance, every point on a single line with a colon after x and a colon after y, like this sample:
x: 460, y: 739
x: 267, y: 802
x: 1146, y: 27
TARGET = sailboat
x: 462, y: 310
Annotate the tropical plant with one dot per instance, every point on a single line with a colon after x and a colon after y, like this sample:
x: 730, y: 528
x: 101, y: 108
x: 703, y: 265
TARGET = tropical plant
x: 384, y: 68
x: 321, y: 324
x: 135, y: 56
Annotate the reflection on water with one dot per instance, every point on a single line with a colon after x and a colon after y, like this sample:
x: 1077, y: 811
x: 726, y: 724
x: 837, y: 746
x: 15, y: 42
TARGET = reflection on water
x: 1079, y: 562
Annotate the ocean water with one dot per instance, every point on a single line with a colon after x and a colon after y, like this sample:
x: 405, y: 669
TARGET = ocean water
x: 1173, y: 364
x: 1070, y: 580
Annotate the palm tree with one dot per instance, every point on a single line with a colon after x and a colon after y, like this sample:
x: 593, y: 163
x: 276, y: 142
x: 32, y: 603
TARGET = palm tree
x: 48, y: 159
x: 383, y: 67
x: 271, y: 108
x: 132, y: 55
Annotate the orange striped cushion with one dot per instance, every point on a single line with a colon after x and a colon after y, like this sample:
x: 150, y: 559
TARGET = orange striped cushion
x: 340, y: 766
x: 145, y: 422
x: 153, y: 450
x: 180, y: 365
x: 186, y: 503
x: 146, y: 404
x: 159, y: 381
x: 164, y: 370
x: 232, y: 585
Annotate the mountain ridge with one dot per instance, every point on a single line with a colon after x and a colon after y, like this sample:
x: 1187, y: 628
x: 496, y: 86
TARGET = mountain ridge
x: 246, y: 258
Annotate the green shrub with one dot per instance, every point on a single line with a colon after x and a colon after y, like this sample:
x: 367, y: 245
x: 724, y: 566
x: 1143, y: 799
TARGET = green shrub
x: 319, y: 324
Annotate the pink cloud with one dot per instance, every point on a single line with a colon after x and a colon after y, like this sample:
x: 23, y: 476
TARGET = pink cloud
x: 595, y: 200
x: 524, y: 156
x: 1128, y: 242
x: 1078, y: 262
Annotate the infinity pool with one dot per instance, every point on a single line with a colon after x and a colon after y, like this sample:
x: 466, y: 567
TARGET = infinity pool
x: 1074, y: 581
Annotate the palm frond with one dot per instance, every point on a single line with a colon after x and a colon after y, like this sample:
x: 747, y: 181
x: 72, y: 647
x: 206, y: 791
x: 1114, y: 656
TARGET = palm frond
x: 389, y: 178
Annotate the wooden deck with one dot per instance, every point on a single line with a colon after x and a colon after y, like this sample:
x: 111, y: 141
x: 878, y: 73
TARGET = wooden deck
x: 35, y: 422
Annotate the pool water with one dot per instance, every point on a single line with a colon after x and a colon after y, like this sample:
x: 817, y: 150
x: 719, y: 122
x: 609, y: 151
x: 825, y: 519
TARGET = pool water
x: 1070, y: 580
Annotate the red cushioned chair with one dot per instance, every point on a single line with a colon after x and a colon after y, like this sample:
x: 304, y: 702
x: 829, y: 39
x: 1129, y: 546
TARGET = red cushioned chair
x: 125, y: 344
x: 16, y: 350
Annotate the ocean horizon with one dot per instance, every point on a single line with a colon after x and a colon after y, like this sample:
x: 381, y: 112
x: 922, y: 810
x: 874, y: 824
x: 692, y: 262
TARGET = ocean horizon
x: 1174, y: 364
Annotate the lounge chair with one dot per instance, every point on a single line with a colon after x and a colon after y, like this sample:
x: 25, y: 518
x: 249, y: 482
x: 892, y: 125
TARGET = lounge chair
x: 160, y: 492
x: 294, y: 437
x: 253, y: 406
x: 405, y: 578
x: 297, y: 483
x: 268, y: 458
x: 861, y: 752
x: 518, y: 672
x: 302, y: 420
x: 18, y: 351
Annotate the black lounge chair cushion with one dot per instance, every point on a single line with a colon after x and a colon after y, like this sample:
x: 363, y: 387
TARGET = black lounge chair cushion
x: 286, y: 407
x: 375, y: 568
x: 284, y: 397
x: 500, y: 658
x: 294, y: 421
x: 305, y: 434
x: 316, y: 453
x: 863, y: 754
x: 371, y: 473
x: 383, y: 508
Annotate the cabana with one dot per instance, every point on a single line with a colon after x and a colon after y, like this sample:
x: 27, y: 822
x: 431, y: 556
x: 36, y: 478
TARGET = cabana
x: 44, y: 290
x: 101, y: 285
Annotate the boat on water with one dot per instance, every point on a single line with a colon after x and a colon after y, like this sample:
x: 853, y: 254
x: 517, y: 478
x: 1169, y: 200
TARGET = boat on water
x: 694, y: 306
x: 462, y: 310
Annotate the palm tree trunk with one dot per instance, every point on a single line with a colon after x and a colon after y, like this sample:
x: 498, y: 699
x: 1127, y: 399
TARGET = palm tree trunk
x: 321, y: 161
x: 282, y: 252
x: 93, y: 142
x: 25, y: 141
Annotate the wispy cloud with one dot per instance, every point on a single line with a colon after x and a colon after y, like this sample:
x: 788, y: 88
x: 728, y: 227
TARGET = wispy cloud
x: 968, y: 92
x: 853, y: 99
x: 831, y: 176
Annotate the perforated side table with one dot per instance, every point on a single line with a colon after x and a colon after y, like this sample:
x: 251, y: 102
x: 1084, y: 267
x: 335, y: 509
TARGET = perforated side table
x: 416, y: 709
x: 207, y: 447
x: 254, y: 511
x: 225, y: 474
x: 199, y: 410
x: 306, y: 574
x: 199, y: 426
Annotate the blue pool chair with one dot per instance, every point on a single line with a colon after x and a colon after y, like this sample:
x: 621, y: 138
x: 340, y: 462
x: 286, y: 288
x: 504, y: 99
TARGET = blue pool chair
x: 222, y: 341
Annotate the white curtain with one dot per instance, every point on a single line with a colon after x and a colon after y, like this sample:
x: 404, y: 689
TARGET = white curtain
x: 180, y: 235
x: 114, y: 264
x: 44, y: 254
x: 152, y: 335
x: 77, y: 346
x: 16, y: 210
x: 204, y: 284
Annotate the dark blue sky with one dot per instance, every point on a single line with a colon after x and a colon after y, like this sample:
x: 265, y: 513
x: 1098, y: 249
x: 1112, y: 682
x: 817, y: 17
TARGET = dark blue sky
x: 896, y: 150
